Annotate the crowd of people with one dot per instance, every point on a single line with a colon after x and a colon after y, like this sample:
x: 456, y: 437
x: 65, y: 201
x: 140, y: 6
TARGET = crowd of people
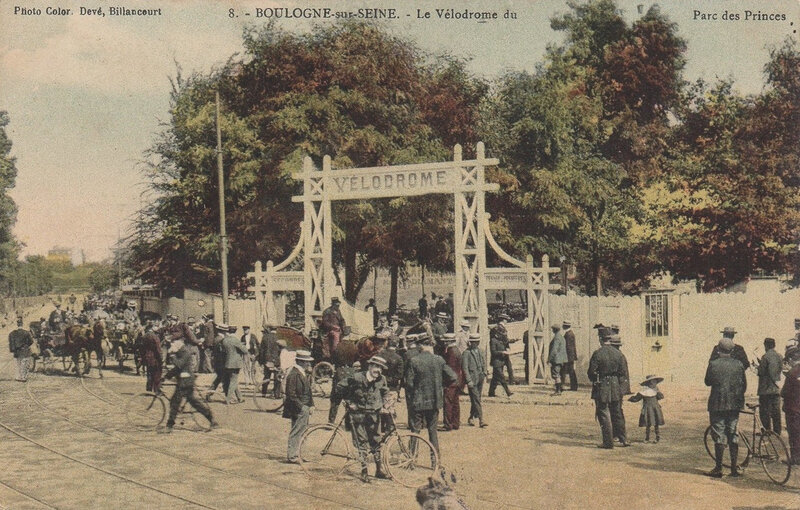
x: 434, y: 365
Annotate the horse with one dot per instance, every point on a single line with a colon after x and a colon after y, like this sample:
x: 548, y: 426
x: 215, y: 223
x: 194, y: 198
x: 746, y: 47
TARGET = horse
x: 80, y: 341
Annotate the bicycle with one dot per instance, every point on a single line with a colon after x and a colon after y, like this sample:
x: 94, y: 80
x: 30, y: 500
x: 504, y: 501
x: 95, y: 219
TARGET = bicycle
x: 771, y: 451
x: 148, y: 410
x: 408, y: 458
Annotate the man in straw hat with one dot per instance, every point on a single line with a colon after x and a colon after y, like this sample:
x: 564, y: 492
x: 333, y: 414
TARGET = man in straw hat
x: 462, y: 336
x: 557, y: 357
x: 726, y: 377
x: 606, y: 366
x: 738, y: 351
x: 439, y: 328
x: 791, y: 403
x: 452, y: 356
x: 298, y: 403
x: 364, y: 393
x: 473, y: 365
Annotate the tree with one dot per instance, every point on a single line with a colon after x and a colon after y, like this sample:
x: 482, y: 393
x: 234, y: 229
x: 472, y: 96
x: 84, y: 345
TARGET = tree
x: 731, y: 206
x: 350, y: 91
x: 578, y: 136
x: 103, y: 277
x: 8, y: 210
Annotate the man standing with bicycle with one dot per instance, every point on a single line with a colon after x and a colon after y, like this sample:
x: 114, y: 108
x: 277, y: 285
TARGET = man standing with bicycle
x: 725, y: 375
x: 298, y: 402
x: 364, y: 393
x: 791, y: 403
x: 769, y: 398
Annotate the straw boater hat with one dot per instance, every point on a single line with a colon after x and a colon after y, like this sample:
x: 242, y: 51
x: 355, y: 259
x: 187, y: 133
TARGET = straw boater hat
x: 411, y: 339
x: 465, y: 324
x: 728, y: 330
x: 424, y: 339
x: 614, y: 339
x: 566, y: 324
x: 303, y: 356
x: 652, y: 378
x: 221, y: 327
x: 379, y: 361
x: 449, y: 338
x: 441, y: 315
x: 474, y: 337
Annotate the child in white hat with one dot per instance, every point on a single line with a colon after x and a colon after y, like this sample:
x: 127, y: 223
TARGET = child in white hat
x: 651, y: 415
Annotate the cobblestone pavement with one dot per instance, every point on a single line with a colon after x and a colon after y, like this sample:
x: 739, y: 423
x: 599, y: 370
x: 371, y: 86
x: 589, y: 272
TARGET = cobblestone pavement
x: 66, y: 444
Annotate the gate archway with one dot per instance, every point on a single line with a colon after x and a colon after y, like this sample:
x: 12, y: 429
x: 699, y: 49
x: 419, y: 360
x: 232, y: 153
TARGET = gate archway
x: 465, y: 180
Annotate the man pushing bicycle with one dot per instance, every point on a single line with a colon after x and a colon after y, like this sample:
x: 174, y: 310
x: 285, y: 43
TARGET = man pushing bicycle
x: 364, y: 393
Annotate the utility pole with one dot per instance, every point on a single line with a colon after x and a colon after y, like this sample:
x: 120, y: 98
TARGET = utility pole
x: 223, y: 237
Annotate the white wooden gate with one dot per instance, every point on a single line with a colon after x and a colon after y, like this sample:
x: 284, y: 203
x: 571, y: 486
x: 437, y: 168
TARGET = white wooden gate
x: 465, y: 180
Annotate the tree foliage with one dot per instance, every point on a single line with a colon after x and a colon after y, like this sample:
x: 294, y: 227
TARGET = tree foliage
x: 8, y: 210
x: 350, y: 91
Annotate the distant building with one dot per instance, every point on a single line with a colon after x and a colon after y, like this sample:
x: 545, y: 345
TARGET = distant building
x: 59, y: 254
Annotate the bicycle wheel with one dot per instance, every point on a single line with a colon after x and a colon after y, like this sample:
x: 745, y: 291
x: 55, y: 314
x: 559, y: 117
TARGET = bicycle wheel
x: 322, y: 379
x: 145, y: 411
x: 267, y: 396
x: 774, y: 457
x: 201, y: 422
x: 745, y: 448
x: 410, y: 459
x: 324, y: 451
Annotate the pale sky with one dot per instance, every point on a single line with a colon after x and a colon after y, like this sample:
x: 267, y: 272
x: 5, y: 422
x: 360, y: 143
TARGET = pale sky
x: 85, y: 94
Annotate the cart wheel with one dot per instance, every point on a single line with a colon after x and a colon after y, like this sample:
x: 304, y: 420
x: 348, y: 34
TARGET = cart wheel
x: 322, y: 378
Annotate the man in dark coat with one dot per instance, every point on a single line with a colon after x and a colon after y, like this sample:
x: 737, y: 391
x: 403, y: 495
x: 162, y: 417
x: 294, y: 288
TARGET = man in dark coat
x: 439, y: 329
x: 726, y: 377
x: 606, y: 366
x: 473, y: 366
x: 423, y: 307
x: 572, y: 356
x: 791, y: 403
x: 298, y: 402
x: 452, y: 409
x: 331, y: 327
x: 412, y: 349
x: 557, y: 357
x: 371, y: 307
x: 151, y: 359
x: 56, y: 319
x: 426, y: 376
x: 738, y: 351
x: 499, y: 353
x: 769, y: 398
x: 183, y: 371
x: 618, y: 427
x: 19, y: 343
